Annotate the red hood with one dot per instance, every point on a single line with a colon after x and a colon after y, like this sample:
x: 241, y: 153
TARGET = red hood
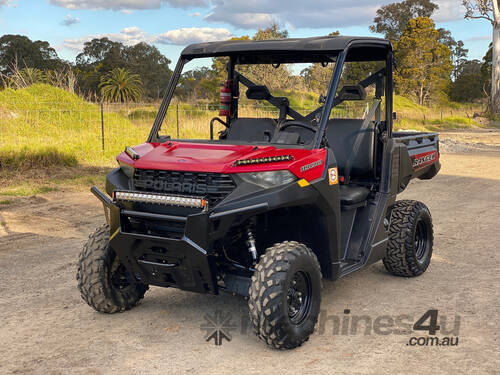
x: 220, y: 158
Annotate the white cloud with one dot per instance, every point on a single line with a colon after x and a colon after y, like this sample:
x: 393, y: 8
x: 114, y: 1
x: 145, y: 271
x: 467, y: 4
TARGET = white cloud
x: 8, y: 3
x: 333, y: 14
x: 251, y: 14
x: 449, y: 10
x: 479, y: 38
x: 194, y: 35
x: 195, y: 14
x: 133, y: 35
x: 127, y: 4
x: 241, y: 20
x: 128, y: 36
x: 70, y: 20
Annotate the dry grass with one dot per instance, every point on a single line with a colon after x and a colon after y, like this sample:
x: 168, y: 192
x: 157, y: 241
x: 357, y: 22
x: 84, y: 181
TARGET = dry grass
x: 32, y: 181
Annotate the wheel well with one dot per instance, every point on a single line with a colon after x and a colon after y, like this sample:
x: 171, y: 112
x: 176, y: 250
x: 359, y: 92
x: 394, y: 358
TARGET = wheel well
x: 304, y: 224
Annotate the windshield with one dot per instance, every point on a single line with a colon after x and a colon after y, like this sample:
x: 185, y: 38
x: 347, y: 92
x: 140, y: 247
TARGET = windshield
x: 268, y: 95
x: 262, y: 100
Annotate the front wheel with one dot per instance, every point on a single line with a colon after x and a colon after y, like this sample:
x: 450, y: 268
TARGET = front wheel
x: 103, y: 281
x: 411, y: 236
x: 285, y: 295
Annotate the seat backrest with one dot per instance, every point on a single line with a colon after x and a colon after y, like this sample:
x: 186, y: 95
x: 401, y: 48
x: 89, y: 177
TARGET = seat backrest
x: 251, y: 130
x: 341, y: 135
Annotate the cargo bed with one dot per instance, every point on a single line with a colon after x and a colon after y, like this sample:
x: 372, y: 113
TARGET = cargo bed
x: 422, y: 157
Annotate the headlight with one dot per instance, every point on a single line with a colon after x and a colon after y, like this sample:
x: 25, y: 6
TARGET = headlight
x: 127, y: 169
x: 269, y: 179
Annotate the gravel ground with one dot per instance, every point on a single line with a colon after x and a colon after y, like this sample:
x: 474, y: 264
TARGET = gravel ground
x: 47, y: 328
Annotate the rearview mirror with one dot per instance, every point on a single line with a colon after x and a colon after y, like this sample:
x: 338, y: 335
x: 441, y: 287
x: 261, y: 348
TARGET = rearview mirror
x: 258, y: 93
x: 352, y: 92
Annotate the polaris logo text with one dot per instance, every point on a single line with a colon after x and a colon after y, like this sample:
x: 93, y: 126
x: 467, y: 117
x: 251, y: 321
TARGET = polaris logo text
x: 311, y: 165
x: 176, y: 187
x: 420, y: 161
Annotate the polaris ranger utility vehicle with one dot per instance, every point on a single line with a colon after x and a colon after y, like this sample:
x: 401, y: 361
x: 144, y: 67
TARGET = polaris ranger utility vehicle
x: 269, y: 206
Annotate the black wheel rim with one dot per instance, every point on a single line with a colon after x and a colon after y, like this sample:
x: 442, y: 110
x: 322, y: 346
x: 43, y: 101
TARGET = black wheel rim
x: 299, y: 297
x: 119, y: 275
x: 421, y: 241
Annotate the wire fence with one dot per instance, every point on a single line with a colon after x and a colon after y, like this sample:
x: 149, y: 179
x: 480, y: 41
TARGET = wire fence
x: 96, y: 132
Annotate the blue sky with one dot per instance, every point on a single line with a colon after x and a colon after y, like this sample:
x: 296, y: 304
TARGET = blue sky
x: 171, y: 24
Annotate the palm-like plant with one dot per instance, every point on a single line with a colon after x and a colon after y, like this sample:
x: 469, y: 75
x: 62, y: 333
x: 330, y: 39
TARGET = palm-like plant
x: 120, y: 85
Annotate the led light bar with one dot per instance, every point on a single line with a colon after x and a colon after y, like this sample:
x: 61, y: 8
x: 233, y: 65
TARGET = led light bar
x: 171, y: 200
x: 269, y: 159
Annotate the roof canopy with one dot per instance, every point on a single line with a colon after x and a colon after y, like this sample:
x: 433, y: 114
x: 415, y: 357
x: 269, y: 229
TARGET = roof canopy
x: 316, y: 49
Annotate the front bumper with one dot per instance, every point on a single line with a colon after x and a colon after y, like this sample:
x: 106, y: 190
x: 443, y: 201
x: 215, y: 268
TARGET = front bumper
x: 166, y: 262
x: 181, y: 262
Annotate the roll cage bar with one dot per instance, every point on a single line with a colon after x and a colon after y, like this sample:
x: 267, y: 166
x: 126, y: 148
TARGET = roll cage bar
x: 331, y: 99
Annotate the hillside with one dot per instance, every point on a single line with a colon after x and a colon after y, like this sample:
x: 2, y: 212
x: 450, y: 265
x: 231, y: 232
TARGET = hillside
x: 42, y: 120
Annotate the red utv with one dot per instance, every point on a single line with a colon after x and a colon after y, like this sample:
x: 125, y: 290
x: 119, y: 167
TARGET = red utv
x: 272, y: 205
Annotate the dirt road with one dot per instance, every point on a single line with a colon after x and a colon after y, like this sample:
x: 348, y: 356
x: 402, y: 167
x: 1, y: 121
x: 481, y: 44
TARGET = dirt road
x: 45, y: 327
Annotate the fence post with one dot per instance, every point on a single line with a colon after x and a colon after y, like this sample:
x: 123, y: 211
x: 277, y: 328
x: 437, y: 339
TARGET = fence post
x: 177, y: 116
x: 102, y: 127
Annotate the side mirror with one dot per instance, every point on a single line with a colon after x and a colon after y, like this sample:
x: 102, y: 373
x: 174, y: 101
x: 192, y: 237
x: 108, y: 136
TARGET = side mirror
x: 352, y: 92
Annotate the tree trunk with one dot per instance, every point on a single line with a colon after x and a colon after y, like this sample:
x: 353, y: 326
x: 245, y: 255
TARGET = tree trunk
x: 495, y: 66
x: 495, y: 70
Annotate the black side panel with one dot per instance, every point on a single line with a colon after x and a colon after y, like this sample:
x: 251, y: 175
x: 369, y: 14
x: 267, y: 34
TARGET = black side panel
x: 330, y: 206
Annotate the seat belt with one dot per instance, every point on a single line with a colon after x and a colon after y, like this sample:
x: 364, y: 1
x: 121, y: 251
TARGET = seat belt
x: 359, y: 138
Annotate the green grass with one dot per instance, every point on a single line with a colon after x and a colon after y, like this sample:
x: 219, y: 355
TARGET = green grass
x: 43, y: 119
x: 6, y: 202
x: 451, y: 116
x: 42, y: 126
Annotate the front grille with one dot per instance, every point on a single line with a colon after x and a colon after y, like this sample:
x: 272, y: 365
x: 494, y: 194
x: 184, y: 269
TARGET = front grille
x: 212, y: 186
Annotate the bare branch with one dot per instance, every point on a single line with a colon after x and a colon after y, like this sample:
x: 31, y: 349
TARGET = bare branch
x: 480, y: 9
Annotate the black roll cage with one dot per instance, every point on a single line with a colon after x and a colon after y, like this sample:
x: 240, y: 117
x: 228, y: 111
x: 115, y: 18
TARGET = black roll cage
x: 331, y: 98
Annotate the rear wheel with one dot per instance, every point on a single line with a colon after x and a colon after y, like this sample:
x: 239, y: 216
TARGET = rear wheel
x: 103, y: 281
x: 285, y: 295
x: 411, y: 238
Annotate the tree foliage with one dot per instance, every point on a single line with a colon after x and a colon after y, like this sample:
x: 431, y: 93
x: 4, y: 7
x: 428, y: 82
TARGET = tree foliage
x: 391, y: 19
x: 101, y: 56
x: 120, y: 86
x: 424, y: 63
x: 490, y: 11
x: 275, y: 78
x: 469, y: 83
x: 317, y: 76
x: 151, y: 65
x: 22, y: 52
x: 458, y: 52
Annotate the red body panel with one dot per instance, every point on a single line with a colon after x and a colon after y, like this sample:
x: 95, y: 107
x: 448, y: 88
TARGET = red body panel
x: 220, y: 158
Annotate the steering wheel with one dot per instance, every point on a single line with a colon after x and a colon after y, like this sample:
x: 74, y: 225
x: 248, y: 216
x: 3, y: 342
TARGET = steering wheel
x: 300, y: 124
